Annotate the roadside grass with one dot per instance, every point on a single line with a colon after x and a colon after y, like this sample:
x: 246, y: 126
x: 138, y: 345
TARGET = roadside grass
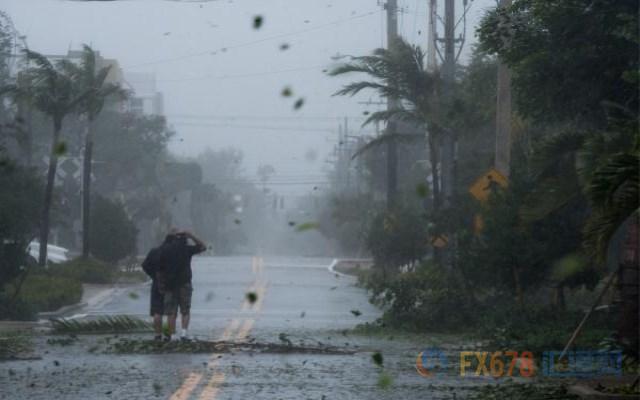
x: 380, y: 330
x: 87, y: 271
x: 502, y: 329
x: 46, y: 292
x: 522, y: 392
x: 61, y: 285
x: 13, y: 345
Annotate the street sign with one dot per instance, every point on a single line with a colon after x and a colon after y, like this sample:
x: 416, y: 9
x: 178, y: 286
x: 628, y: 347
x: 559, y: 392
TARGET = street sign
x: 488, y: 183
x: 440, y: 241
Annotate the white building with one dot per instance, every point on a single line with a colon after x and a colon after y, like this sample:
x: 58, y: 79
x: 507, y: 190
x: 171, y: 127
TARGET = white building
x: 146, y: 100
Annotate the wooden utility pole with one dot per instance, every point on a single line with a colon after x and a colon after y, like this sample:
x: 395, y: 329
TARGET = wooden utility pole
x: 503, y: 116
x: 432, y: 36
x: 392, y: 104
x: 448, y: 75
x: 448, y: 150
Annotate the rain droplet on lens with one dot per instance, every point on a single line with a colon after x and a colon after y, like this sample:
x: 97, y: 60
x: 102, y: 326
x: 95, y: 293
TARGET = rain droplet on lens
x: 257, y: 21
x: 298, y: 104
x: 287, y: 92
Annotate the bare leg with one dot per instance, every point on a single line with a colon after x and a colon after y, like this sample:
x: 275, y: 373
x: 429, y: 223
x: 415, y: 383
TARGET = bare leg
x: 157, y: 324
x: 171, y: 321
x: 185, y: 321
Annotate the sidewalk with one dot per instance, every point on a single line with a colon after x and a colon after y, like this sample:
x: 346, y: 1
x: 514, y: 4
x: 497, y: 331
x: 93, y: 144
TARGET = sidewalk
x: 350, y: 266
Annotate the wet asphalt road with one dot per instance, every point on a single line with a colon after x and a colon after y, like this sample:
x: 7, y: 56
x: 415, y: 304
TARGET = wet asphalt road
x: 295, y: 296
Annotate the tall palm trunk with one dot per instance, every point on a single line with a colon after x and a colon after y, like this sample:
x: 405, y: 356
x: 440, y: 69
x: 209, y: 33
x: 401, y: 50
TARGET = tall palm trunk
x: 86, y: 190
x: 48, y: 194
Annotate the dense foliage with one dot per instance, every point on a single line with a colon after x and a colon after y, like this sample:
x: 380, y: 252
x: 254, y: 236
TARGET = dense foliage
x: 113, y: 234
x: 573, y: 181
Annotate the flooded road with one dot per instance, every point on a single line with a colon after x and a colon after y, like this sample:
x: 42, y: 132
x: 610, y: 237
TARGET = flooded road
x: 298, y: 300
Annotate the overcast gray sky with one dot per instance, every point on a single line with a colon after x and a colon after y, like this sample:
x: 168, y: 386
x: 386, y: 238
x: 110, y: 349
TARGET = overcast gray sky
x: 221, y: 78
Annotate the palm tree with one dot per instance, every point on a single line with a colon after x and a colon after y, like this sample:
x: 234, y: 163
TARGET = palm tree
x: 599, y: 166
x: 51, y: 92
x: 400, y: 73
x: 91, y: 81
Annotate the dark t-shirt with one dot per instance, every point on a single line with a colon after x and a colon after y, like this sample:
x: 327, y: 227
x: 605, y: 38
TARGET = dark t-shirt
x: 152, y: 263
x: 184, y: 262
x: 176, y: 262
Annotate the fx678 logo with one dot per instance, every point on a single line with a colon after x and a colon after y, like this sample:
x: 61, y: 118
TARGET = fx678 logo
x: 497, y: 364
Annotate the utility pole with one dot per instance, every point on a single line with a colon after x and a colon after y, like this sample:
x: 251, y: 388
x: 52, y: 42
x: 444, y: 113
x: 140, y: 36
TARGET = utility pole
x: 392, y: 104
x: 448, y: 141
x: 432, y: 36
x: 448, y: 75
x: 503, y: 115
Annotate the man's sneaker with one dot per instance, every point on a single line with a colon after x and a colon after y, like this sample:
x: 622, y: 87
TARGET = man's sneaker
x: 157, y: 338
x: 185, y: 339
x: 166, y: 339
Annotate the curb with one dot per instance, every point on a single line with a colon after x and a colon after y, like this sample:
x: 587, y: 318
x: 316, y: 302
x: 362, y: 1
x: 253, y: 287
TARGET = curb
x: 46, y: 315
x: 337, y: 261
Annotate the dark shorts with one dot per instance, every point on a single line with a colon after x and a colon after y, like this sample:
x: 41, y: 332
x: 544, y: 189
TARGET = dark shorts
x: 157, y: 300
x: 178, y: 298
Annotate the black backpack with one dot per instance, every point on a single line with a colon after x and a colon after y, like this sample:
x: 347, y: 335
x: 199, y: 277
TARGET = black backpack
x: 152, y: 263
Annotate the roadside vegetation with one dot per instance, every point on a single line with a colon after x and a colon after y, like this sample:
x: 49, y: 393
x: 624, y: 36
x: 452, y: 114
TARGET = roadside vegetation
x: 520, y: 268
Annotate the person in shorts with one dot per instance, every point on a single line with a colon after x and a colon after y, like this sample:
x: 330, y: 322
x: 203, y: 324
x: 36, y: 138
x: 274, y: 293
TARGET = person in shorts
x: 178, y: 293
x: 152, y: 266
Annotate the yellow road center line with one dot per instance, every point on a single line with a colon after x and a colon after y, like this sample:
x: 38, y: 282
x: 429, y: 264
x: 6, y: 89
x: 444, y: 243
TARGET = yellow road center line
x: 228, y: 332
x: 187, y: 387
x: 244, y: 331
x: 213, y: 387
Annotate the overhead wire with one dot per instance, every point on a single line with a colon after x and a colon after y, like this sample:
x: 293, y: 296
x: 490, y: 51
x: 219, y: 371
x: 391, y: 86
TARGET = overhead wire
x: 250, y: 43
x: 256, y: 127
x: 247, y: 75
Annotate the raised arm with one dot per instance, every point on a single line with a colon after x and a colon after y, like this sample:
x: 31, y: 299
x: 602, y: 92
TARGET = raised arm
x: 201, y: 246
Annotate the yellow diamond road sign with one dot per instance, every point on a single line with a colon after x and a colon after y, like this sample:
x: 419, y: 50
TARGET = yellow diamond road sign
x: 440, y: 241
x: 488, y: 183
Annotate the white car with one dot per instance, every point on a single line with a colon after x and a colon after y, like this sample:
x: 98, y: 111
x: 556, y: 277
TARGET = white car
x: 55, y: 254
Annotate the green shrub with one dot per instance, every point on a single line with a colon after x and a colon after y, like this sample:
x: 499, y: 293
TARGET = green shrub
x: 44, y: 292
x: 429, y: 298
x: 15, y: 310
x: 397, y: 238
x: 113, y: 234
x: 540, y: 328
x: 86, y: 271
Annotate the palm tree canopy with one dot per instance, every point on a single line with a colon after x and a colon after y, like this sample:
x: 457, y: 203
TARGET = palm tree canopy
x: 398, y: 73
x: 90, y: 79
x: 46, y: 86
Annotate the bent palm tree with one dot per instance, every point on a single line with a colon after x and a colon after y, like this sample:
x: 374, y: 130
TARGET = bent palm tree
x: 51, y: 92
x: 92, y: 81
x: 400, y: 73
x: 602, y: 166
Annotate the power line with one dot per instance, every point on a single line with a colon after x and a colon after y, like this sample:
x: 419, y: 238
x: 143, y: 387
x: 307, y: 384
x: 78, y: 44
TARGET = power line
x: 256, y: 127
x: 262, y: 117
x: 225, y: 48
x: 247, y: 75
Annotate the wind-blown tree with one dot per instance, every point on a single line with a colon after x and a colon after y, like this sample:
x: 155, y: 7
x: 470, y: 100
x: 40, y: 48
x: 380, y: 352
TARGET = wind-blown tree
x: 594, y: 154
x: 92, y: 81
x: 49, y: 90
x: 400, y: 73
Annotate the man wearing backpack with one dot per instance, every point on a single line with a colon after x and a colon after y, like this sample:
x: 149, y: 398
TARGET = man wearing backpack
x: 177, y: 260
x: 154, y: 266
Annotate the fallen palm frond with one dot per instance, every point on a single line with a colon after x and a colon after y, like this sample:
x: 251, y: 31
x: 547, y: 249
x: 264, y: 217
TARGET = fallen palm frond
x: 110, y: 324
